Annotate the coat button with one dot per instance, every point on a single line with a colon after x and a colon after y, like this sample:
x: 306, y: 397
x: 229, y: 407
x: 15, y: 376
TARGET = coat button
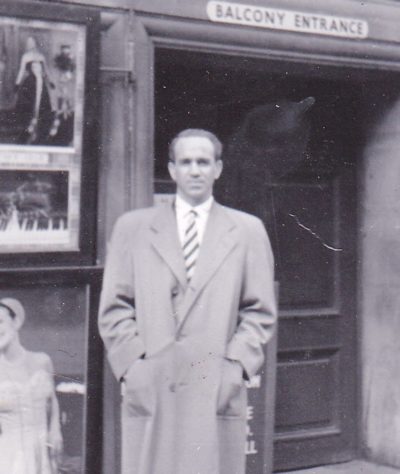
x: 172, y: 387
x: 174, y: 291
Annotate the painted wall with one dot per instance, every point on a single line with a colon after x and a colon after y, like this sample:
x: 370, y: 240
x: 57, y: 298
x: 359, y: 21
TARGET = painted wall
x: 380, y: 284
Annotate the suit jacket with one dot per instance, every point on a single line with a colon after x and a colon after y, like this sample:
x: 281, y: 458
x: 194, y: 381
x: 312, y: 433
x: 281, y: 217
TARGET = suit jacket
x: 184, y: 409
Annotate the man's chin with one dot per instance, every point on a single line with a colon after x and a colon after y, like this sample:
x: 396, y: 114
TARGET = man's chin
x: 196, y: 197
x: 196, y: 193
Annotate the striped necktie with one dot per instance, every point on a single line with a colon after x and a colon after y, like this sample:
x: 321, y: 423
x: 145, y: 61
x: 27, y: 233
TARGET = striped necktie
x: 191, y: 244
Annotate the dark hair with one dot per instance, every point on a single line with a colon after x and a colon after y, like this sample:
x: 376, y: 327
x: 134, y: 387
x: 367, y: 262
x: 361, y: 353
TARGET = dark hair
x: 196, y: 132
x: 12, y: 314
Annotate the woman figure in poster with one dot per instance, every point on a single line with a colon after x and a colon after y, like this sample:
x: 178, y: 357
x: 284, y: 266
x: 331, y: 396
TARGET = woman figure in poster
x: 30, y: 434
x: 33, y: 110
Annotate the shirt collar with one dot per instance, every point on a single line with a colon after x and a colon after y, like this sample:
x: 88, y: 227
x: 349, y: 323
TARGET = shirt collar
x: 182, y: 207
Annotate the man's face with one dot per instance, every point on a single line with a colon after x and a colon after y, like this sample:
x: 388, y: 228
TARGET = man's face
x: 195, y: 169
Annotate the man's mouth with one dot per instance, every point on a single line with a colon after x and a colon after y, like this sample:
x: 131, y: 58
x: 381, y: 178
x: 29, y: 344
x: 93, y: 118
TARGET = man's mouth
x: 195, y: 183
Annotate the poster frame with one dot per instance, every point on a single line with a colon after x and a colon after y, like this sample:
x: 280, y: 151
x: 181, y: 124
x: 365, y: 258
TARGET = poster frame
x: 78, y: 159
x: 87, y: 279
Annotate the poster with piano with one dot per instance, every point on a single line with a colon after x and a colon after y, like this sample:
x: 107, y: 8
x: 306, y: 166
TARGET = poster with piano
x: 38, y: 208
x: 44, y: 117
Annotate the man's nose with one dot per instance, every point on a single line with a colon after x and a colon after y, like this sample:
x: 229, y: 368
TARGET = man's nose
x: 194, y: 168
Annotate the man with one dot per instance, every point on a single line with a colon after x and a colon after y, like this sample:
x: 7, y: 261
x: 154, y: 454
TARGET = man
x: 187, y: 303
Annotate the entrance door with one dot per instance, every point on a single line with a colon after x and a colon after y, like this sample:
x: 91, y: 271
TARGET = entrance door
x: 316, y: 411
x: 306, y: 195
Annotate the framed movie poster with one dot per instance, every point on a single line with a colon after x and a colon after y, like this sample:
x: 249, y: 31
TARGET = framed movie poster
x: 51, y: 395
x: 48, y: 62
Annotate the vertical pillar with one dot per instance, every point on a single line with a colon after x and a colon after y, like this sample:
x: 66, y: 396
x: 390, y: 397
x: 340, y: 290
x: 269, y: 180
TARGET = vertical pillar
x: 115, y: 185
x: 380, y: 283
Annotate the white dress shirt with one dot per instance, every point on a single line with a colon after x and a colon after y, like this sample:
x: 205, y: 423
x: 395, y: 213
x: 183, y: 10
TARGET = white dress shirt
x: 182, y: 209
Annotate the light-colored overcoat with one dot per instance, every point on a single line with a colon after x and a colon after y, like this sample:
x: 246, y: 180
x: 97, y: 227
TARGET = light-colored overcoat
x: 184, y: 403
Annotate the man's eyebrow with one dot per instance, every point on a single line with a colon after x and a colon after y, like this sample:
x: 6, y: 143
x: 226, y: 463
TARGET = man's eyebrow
x: 201, y: 158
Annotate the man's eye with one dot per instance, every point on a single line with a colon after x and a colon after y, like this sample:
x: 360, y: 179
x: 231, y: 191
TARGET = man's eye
x: 203, y: 162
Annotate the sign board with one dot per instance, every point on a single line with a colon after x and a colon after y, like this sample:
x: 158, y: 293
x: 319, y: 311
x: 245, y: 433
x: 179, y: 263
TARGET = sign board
x: 286, y: 20
x: 255, y: 419
x: 261, y: 411
x: 260, y: 417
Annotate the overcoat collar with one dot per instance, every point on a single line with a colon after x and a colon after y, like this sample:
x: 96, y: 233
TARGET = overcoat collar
x: 218, y: 242
x: 165, y: 240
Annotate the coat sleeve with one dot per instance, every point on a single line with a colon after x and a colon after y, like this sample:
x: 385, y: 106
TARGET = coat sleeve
x: 117, y: 317
x: 257, y: 310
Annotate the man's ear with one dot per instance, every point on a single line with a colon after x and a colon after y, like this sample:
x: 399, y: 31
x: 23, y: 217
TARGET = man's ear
x: 220, y: 166
x: 171, y: 169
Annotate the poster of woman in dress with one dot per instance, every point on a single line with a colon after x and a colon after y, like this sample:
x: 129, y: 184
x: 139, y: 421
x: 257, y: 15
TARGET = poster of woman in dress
x: 42, y: 380
x: 41, y: 82
x: 31, y: 439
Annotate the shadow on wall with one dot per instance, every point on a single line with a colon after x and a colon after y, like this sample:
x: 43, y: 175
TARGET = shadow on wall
x: 270, y: 143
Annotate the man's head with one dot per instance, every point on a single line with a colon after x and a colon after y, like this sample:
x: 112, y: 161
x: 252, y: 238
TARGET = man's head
x: 195, y: 163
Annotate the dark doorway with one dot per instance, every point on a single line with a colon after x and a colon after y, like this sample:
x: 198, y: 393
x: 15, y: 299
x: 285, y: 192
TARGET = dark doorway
x: 308, y: 204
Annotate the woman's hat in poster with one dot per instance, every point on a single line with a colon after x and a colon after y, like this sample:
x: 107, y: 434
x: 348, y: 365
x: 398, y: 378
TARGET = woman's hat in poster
x: 16, y: 309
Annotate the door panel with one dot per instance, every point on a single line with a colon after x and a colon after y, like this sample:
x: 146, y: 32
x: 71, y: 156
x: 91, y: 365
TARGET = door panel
x: 306, y: 243
x: 316, y: 416
x: 311, y: 375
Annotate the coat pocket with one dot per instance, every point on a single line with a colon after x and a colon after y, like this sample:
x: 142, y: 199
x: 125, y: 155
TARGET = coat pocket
x: 139, y: 391
x: 231, y: 394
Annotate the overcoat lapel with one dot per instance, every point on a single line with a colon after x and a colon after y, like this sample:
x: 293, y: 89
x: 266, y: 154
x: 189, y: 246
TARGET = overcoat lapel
x: 165, y: 240
x: 218, y: 242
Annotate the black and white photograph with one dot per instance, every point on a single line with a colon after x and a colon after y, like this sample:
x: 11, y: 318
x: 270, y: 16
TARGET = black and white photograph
x: 43, y: 378
x: 41, y: 83
x: 46, y: 132
x: 199, y: 237
x: 33, y: 208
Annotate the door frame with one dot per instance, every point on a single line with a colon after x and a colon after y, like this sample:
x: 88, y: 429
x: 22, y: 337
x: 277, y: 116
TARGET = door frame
x: 296, y: 51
